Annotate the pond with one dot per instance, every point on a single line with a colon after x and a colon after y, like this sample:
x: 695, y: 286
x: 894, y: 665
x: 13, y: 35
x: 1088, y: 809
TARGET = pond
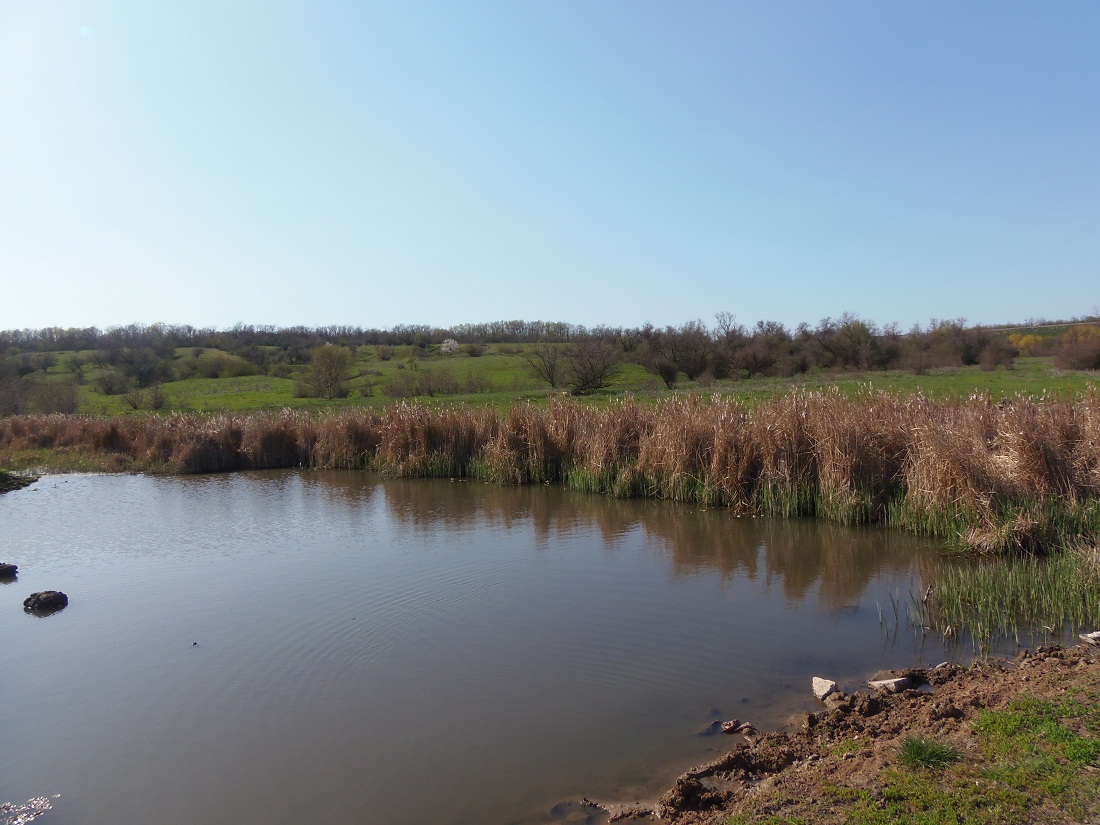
x: 286, y: 646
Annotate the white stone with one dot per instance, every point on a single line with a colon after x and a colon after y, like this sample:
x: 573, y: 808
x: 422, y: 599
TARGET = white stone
x: 890, y: 685
x: 1091, y: 638
x: 824, y: 688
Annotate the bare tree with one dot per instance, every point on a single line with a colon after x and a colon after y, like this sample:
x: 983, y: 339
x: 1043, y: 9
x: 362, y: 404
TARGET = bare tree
x: 547, y: 362
x: 593, y: 365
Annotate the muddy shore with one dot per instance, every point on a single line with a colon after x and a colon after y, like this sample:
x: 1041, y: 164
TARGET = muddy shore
x: 843, y: 762
x: 10, y: 482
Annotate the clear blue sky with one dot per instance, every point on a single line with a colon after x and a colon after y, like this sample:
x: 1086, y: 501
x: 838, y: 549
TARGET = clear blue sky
x: 591, y: 161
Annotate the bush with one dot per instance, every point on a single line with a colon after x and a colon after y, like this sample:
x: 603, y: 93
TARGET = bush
x: 1080, y: 348
x: 592, y: 365
x: 111, y: 383
x: 997, y: 354
x: 328, y: 373
x: 237, y: 368
x: 13, y: 396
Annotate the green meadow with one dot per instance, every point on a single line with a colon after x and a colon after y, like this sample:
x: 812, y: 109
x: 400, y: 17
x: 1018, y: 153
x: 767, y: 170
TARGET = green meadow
x: 500, y: 377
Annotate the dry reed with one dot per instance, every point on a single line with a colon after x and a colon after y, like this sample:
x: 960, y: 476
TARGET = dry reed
x: 1019, y: 475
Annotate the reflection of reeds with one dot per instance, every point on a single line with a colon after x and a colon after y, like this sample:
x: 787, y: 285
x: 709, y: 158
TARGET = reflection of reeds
x: 1021, y: 475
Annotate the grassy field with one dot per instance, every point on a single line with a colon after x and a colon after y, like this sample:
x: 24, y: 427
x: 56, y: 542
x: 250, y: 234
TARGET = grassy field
x: 500, y: 378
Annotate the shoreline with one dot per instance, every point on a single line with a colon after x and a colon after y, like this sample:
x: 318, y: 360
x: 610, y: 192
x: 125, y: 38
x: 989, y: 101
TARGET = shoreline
x: 10, y: 482
x: 1023, y: 736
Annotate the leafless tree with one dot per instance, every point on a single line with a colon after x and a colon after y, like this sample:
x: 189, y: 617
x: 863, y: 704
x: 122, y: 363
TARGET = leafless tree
x: 593, y: 365
x: 547, y: 362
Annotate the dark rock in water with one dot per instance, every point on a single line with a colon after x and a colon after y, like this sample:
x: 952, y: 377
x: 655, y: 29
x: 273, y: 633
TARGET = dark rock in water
x: 711, y: 729
x: 45, y: 602
x: 8, y: 571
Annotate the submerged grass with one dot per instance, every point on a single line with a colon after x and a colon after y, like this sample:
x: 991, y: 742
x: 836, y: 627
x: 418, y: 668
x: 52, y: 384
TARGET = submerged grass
x: 996, y: 596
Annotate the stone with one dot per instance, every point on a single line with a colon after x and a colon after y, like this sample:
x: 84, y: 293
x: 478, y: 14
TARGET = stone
x: 711, y: 729
x: 1091, y: 638
x: 46, y: 601
x: 890, y: 685
x: 823, y: 688
x: 8, y: 571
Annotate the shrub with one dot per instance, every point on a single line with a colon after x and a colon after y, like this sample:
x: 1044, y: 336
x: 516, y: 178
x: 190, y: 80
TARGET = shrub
x: 449, y: 346
x: 1080, y: 348
x: 237, y: 368
x: 997, y: 353
x: 593, y: 365
x: 13, y: 395
x: 329, y: 368
x: 111, y: 383
x: 1030, y: 344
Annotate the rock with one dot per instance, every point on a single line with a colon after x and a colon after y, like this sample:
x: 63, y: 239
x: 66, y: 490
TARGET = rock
x: 46, y: 601
x: 824, y: 688
x: 8, y: 571
x: 711, y: 729
x: 890, y: 685
x: 1091, y: 638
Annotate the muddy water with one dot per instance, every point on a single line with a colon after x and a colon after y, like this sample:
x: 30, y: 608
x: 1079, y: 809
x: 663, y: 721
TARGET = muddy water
x: 395, y: 652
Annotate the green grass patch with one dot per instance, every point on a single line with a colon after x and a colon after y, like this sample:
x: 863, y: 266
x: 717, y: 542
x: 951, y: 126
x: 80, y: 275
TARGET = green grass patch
x: 212, y: 380
x: 918, y: 752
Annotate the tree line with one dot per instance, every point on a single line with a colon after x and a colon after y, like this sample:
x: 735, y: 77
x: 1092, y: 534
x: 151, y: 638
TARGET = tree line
x: 578, y: 358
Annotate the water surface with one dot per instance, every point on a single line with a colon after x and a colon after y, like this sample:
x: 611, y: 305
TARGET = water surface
x: 380, y: 651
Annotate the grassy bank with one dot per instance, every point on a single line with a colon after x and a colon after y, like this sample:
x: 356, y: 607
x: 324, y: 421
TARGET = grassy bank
x: 995, y: 743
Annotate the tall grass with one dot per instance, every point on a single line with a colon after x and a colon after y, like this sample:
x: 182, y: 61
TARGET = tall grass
x: 1021, y: 475
x: 992, y: 597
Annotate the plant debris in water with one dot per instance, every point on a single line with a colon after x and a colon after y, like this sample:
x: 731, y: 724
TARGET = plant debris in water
x: 20, y: 814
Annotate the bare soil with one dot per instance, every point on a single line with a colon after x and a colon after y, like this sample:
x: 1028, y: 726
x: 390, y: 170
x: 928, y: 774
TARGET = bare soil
x: 793, y: 775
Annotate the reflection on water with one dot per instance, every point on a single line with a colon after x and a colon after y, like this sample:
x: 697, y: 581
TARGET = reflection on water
x: 293, y: 647
x: 793, y: 553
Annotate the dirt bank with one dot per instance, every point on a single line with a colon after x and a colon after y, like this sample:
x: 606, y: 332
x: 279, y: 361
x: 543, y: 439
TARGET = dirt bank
x: 1022, y: 739
x: 9, y: 482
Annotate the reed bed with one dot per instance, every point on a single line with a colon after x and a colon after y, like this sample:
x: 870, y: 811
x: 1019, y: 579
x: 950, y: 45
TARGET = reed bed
x: 996, y: 597
x: 1018, y: 476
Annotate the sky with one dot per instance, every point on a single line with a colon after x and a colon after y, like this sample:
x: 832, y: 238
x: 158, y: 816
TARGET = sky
x: 591, y: 161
